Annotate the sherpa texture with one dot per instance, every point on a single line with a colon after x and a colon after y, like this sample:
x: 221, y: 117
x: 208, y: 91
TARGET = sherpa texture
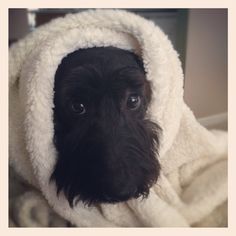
x: 193, y: 182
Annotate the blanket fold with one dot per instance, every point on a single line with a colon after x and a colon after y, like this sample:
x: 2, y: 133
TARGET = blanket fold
x: 192, y: 188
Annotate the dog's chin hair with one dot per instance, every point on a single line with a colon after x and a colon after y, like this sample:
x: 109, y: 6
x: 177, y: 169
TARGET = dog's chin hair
x: 93, y: 202
x: 89, y: 202
x: 148, y: 132
x: 74, y: 199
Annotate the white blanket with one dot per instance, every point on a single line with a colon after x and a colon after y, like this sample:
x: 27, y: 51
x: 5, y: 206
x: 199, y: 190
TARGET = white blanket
x: 192, y: 188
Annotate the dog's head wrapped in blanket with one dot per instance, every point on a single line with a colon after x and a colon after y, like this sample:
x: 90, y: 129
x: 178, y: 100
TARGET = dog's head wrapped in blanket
x: 186, y: 151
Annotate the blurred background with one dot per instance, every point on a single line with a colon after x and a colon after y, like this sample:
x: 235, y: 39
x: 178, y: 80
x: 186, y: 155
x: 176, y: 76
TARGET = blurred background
x: 199, y: 36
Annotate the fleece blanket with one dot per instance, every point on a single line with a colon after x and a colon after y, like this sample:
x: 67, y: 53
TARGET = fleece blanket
x: 192, y: 188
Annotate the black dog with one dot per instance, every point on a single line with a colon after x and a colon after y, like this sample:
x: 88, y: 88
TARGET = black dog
x: 107, y: 148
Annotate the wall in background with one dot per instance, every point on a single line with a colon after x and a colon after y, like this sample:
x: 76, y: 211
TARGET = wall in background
x: 18, y: 24
x: 206, y: 62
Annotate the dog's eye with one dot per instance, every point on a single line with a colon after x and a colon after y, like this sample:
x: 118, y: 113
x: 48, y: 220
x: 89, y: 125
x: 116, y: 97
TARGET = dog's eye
x: 78, y: 108
x: 133, y: 102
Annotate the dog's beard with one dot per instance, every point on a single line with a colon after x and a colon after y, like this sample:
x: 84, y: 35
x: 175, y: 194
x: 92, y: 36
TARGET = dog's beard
x: 96, y: 167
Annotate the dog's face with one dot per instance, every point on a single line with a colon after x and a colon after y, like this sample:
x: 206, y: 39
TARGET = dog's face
x: 107, y: 148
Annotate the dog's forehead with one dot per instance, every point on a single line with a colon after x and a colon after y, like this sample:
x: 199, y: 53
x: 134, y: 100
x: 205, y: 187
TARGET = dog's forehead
x: 104, y: 58
x: 95, y: 66
x: 109, y: 55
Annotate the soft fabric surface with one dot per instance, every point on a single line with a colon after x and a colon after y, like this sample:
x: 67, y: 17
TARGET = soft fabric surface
x: 192, y: 188
x: 28, y: 208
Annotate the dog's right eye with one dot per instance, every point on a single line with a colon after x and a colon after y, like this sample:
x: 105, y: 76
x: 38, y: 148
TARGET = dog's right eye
x: 78, y: 108
x: 133, y: 102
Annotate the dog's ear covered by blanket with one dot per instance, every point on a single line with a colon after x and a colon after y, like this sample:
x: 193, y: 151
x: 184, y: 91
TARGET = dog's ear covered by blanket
x: 192, y: 187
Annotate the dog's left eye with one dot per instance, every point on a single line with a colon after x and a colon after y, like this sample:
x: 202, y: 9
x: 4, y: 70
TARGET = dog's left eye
x: 133, y: 102
x: 78, y: 108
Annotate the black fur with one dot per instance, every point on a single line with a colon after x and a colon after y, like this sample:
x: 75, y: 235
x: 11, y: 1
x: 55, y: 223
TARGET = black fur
x: 107, y: 148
